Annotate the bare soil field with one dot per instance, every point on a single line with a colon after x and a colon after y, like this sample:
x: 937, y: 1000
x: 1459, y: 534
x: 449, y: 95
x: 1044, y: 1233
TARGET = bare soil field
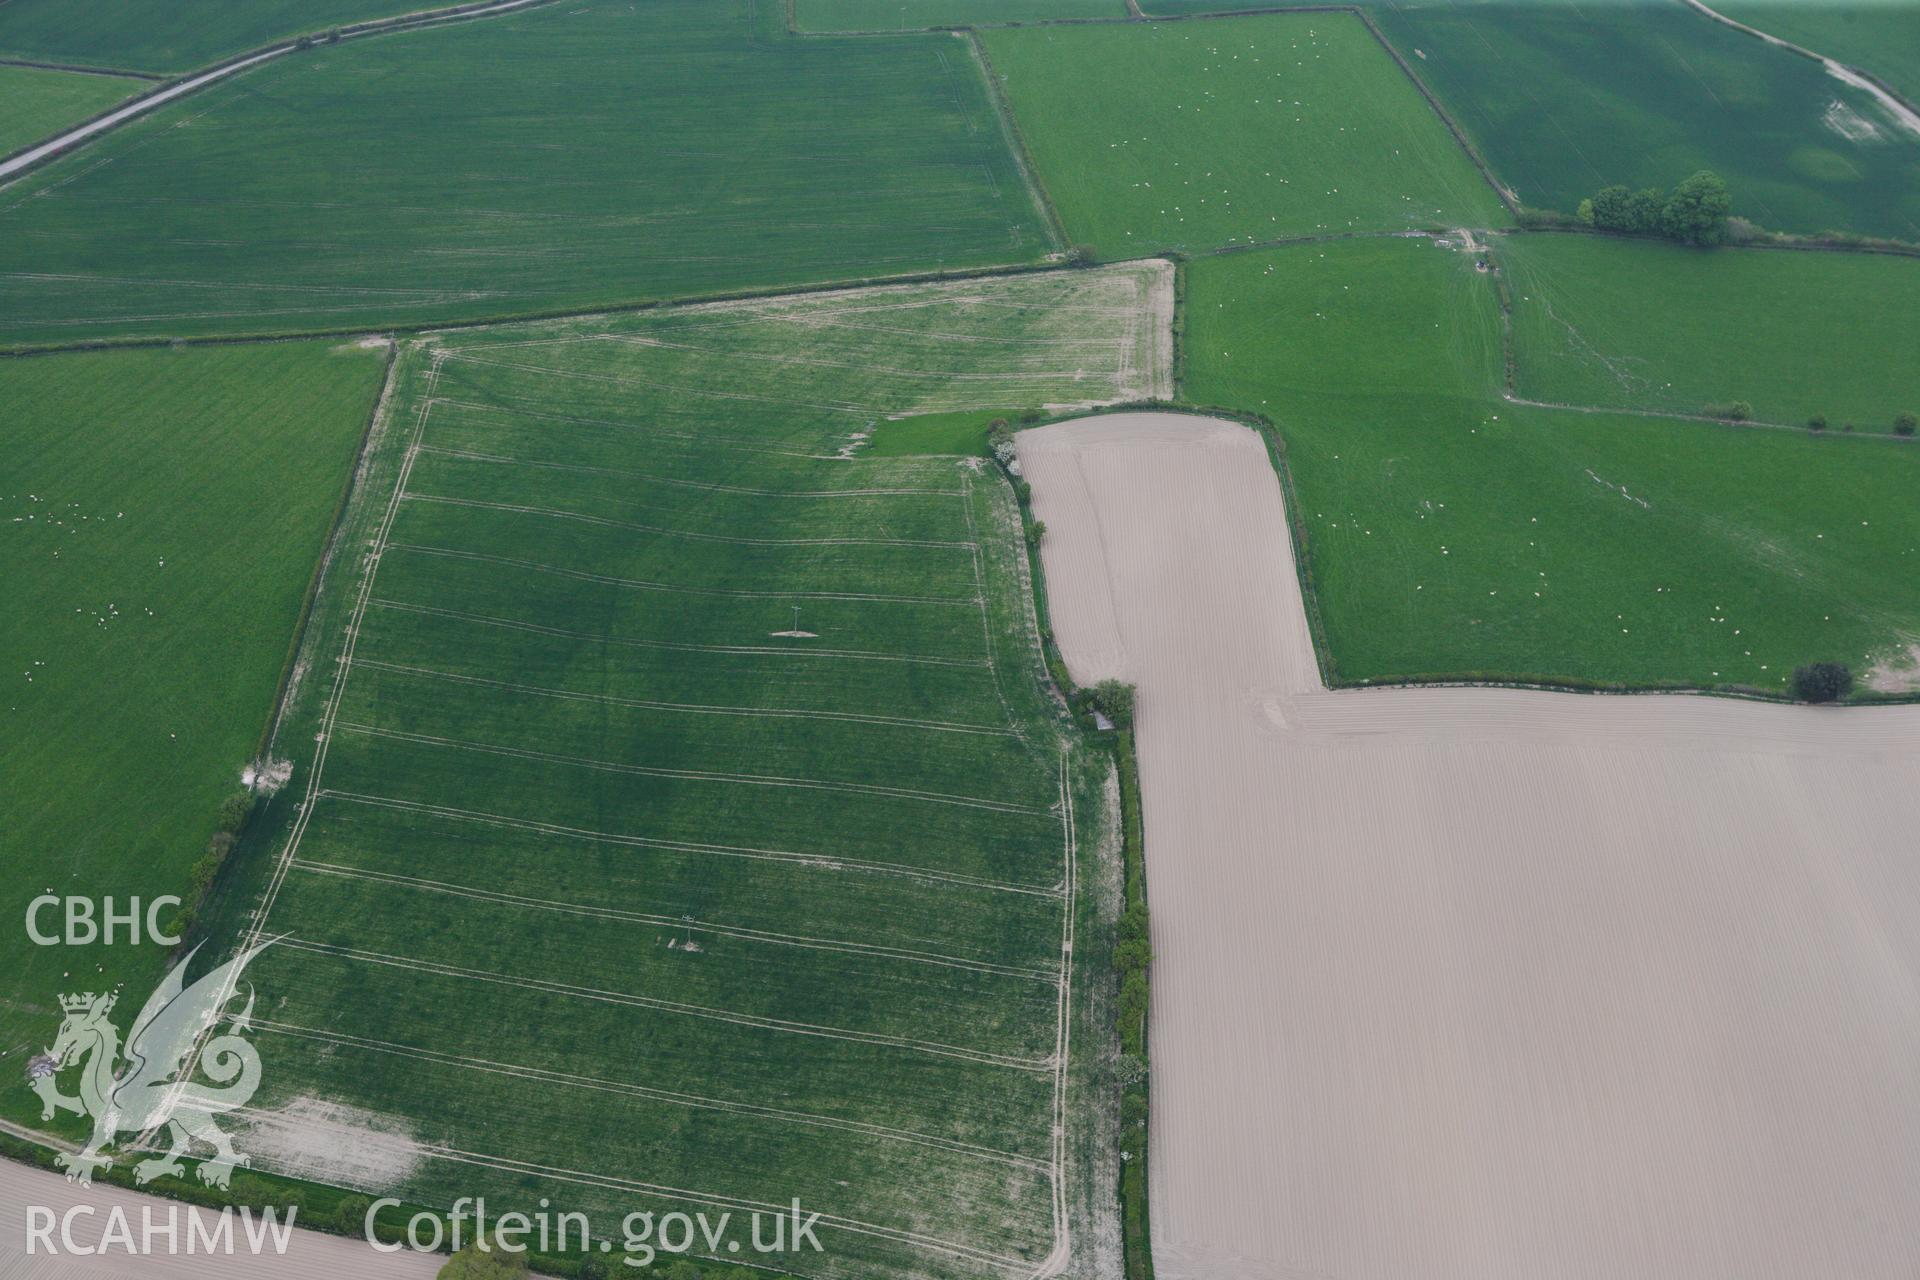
x: 1485, y: 983
x: 309, y: 1255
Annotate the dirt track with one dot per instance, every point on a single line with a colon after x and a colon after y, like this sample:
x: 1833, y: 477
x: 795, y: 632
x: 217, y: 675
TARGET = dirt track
x: 1486, y: 984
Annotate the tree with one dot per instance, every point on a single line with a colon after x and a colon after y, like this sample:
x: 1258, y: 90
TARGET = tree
x: 350, y: 1215
x: 1114, y: 700
x: 1822, y: 682
x: 1133, y: 1000
x: 1696, y: 212
x: 1134, y: 947
x: 1818, y: 422
x: 471, y: 1264
x: 1646, y: 211
x: 1905, y: 424
x: 1610, y: 208
x: 1585, y: 211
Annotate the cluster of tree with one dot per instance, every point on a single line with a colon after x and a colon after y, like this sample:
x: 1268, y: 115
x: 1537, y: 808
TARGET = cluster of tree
x: 1695, y: 212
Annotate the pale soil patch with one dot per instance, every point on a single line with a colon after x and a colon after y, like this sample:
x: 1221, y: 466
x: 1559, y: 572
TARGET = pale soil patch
x: 1896, y: 673
x: 1482, y: 983
x: 331, y: 1142
x: 267, y: 776
x: 1850, y: 124
x: 1897, y: 111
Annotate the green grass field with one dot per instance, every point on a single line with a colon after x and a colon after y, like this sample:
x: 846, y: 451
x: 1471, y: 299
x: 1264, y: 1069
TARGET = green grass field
x: 896, y: 15
x: 1565, y: 98
x: 559, y: 158
x: 180, y: 35
x: 35, y: 103
x: 1450, y: 533
x: 1879, y: 36
x: 1649, y: 326
x: 160, y: 516
x: 1193, y: 135
x: 578, y: 732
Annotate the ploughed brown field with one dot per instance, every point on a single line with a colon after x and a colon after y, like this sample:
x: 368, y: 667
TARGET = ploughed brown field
x: 1484, y: 983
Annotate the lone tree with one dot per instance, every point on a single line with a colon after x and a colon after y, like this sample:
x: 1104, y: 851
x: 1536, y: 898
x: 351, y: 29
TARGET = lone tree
x: 1905, y: 424
x: 1114, y: 700
x: 1822, y: 682
x: 1696, y: 212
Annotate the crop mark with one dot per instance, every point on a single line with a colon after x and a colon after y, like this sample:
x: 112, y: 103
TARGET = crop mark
x: 692, y: 708
x: 776, y: 651
x: 680, y: 1008
x: 696, y: 775
x: 812, y: 861
x: 696, y: 1101
x: 646, y: 584
x: 467, y: 455
x: 424, y: 885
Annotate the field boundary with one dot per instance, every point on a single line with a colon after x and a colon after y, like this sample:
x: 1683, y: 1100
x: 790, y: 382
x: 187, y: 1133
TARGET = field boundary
x: 1507, y: 198
x: 1134, y: 13
x: 1323, y: 651
x: 1510, y: 352
x: 21, y: 351
x: 1132, y: 1188
x: 1017, y: 141
x: 769, y: 293
x: 331, y: 708
x: 23, y: 160
x: 1780, y: 241
x: 282, y: 687
x: 116, y: 73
